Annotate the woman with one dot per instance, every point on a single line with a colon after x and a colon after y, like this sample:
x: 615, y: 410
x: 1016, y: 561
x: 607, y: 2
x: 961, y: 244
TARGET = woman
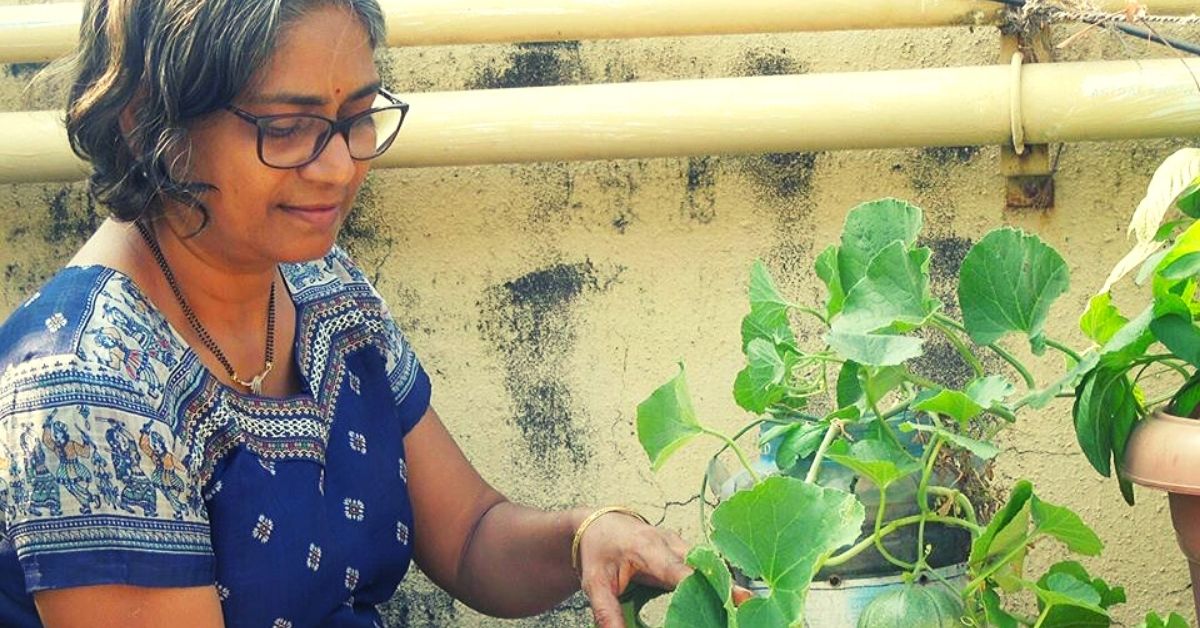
x: 208, y: 417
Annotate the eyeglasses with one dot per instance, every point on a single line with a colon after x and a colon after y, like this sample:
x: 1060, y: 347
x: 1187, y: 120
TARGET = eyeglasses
x: 292, y: 140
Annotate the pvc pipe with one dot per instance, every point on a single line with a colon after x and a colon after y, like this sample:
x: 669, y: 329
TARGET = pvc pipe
x: 34, y: 33
x: 1061, y: 102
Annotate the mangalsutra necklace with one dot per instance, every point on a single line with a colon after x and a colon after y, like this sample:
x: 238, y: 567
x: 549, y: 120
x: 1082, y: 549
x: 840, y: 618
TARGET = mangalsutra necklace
x: 255, y: 383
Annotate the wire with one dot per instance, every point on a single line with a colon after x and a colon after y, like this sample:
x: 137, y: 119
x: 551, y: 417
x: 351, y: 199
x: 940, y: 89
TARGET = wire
x: 1128, y: 29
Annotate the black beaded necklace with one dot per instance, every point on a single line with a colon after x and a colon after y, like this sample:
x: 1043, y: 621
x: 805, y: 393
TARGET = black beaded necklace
x: 255, y: 383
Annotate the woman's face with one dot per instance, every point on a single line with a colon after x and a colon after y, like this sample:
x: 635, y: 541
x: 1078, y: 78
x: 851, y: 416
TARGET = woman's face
x: 260, y: 215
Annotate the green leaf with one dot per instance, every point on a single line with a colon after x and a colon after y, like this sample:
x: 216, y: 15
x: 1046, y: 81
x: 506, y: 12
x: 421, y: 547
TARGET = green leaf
x: 878, y: 382
x: 770, y: 324
x: 1189, y: 200
x: 1070, y: 603
x: 952, y: 403
x: 1187, y: 398
x: 981, y: 547
x: 989, y: 390
x: 1167, y: 229
x: 799, y: 443
x: 1183, y: 268
x: 1066, y: 526
x: 781, y: 531
x: 875, y: 349
x: 1154, y: 620
x: 763, y: 293
x: 892, y: 296
x: 709, y: 563
x: 695, y: 605
x: 868, y: 229
x: 982, y: 449
x: 1106, y: 596
x: 827, y: 270
x: 849, y: 388
x: 995, y: 613
x: 760, y: 384
x: 1101, y: 320
x: 1104, y: 402
x: 1007, y: 283
x: 880, y: 461
x: 1173, y: 326
x: 667, y: 420
x: 1131, y: 341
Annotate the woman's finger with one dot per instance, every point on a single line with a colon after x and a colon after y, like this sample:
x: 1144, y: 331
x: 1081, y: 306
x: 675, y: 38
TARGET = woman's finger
x: 606, y: 610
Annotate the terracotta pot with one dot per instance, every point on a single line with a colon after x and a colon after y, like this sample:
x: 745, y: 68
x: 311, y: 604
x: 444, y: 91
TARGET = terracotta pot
x: 1162, y: 453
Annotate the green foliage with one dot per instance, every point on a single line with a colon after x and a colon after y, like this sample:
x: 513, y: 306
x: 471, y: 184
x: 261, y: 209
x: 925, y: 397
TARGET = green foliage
x: 887, y: 422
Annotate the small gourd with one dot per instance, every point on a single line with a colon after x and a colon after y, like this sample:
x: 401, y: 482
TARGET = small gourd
x: 913, y: 607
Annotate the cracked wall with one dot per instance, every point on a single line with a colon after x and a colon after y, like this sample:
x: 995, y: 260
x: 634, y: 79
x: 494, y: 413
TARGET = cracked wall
x: 547, y: 300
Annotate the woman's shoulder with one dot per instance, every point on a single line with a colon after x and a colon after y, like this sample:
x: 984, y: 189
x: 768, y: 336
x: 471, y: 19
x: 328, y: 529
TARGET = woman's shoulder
x: 94, y: 319
x: 333, y: 275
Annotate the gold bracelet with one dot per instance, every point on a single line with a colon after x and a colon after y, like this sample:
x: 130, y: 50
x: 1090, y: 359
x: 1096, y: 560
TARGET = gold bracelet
x: 592, y: 519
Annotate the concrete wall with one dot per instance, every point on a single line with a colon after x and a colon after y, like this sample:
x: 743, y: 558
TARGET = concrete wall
x: 547, y: 300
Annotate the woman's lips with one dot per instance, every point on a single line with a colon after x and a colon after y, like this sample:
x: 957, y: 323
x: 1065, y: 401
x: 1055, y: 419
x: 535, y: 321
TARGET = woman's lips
x: 318, y: 215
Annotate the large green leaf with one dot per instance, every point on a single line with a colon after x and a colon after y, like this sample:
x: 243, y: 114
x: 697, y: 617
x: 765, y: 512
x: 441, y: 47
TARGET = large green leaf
x: 1066, y: 602
x: 952, y: 403
x: 849, y: 388
x: 1102, y: 319
x: 1066, y: 526
x: 868, y: 229
x: 1185, y: 267
x: 981, y: 547
x: 760, y: 384
x: 879, y: 381
x: 893, y: 296
x: 781, y: 531
x: 880, y: 460
x: 695, y: 605
x: 1007, y: 283
x: 982, y: 449
x: 827, y: 269
x: 1129, y: 342
x: 1104, y: 404
x: 667, y: 420
x: 875, y: 349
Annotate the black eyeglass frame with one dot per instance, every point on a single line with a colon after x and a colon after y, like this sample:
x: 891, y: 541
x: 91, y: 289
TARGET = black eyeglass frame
x: 336, y: 127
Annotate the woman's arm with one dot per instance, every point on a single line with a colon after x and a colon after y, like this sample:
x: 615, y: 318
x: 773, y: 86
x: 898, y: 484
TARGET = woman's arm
x: 122, y: 606
x: 508, y: 560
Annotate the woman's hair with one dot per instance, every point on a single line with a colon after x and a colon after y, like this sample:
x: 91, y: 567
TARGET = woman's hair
x: 176, y: 60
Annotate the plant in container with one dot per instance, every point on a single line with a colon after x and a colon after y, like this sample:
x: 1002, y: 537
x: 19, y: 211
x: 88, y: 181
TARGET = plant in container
x: 1127, y: 418
x: 860, y: 510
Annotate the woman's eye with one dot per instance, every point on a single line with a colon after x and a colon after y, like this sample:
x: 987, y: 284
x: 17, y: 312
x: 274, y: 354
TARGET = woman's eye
x: 287, y: 128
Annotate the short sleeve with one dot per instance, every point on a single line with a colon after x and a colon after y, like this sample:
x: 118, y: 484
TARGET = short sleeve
x: 410, y: 385
x: 95, y: 484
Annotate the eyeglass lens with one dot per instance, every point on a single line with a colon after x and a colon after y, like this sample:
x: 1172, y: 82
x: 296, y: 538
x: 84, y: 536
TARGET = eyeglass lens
x: 292, y: 140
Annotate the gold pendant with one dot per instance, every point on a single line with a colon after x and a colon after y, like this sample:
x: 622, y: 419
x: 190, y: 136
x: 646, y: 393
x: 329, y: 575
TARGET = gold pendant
x: 255, y: 383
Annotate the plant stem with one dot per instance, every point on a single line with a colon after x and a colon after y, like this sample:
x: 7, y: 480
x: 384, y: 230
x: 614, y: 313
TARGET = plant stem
x: 1041, y: 618
x: 1012, y: 555
x: 997, y: 349
x: 810, y: 311
x: 939, y: 323
x: 879, y: 537
x: 962, y: 500
x: 921, y: 381
x: 741, y: 455
x: 894, y: 525
x: 835, y: 426
x: 703, y: 521
x: 1054, y: 344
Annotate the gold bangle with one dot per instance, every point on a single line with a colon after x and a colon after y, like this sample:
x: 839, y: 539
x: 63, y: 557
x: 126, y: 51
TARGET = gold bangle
x: 592, y: 519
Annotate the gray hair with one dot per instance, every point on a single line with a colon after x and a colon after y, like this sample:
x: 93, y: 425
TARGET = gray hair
x: 178, y: 60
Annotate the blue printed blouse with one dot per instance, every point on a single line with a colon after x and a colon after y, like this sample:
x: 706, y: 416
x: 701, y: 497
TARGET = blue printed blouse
x: 124, y: 461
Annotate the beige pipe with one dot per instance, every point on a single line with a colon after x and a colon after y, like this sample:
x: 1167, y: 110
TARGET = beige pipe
x: 32, y: 33
x: 1063, y: 102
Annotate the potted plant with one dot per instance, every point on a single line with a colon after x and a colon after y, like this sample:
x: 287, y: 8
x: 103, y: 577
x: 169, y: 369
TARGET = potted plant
x: 1126, y: 418
x: 865, y: 452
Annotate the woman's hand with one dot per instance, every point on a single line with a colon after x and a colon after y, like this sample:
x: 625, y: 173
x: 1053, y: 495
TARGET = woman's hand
x: 617, y: 549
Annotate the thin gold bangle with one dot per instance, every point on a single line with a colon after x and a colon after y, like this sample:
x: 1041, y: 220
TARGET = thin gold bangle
x: 592, y: 519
